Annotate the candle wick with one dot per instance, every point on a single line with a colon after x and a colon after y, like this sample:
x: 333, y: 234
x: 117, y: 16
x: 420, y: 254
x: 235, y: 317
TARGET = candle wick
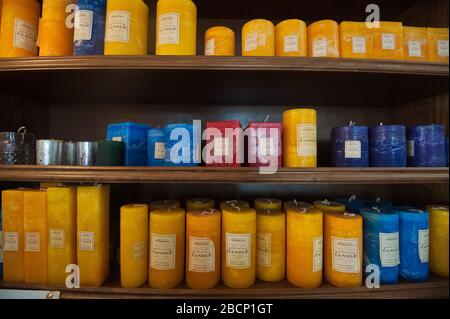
x: 326, y: 202
x: 295, y: 202
x: 352, y: 198
x: 22, y: 130
x: 267, y: 118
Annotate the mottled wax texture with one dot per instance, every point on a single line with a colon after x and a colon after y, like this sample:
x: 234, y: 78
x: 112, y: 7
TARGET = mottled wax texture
x: 350, y: 146
x: 426, y: 146
x: 89, y: 34
x: 352, y: 204
x: 388, y: 146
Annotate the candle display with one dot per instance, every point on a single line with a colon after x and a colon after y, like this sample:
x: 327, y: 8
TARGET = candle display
x: 350, y: 146
x: 437, y: 44
x: 326, y: 206
x: 439, y: 240
x: 258, y: 38
x: 224, y: 143
x: 200, y: 204
x: 388, y: 146
x: 203, y: 232
x: 219, y: 41
x: 323, y: 39
x: 352, y: 204
x: 426, y: 146
x: 182, y: 145
x: 164, y: 204
x: 89, y: 30
x: 415, y: 43
x: 295, y: 203
x: 235, y: 203
x: 388, y: 41
x: 110, y: 153
x: 156, y: 147
x: 300, y: 138
x: 265, y: 147
x: 355, y: 40
x: 291, y: 38
x: 267, y: 203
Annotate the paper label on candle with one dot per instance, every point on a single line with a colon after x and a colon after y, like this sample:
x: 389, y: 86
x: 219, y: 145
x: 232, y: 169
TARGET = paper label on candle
x: 138, y: 250
x: 388, y: 41
x: 160, y: 150
x: 320, y: 48
x: 359, y: 45
x: 117, y: 139
x: 266, y: 146
x: 345, y: 255
x: 33, y: 241
x: 238, y: 250
x: 291, y: 43
x: 442, y: 48
x: 306, y: 140
x: 163, y: 251
x: 86, y: 240
x: 11, y: 241
x: 83, y: 25
x: 415, y: 49
x: 352, y: 149
x: 251, y: 42
x: 264, y: 249
x: 411, y: 148
x: 57, y: 238
x: 210, y: 47
x: 169, y: 28
x: 221, y: 146
x: 424, y: 245
x: 25, y: 35
x: 118, y: 27
x: 201, y: 255
x: 389, y: 249
x: 318, y: 254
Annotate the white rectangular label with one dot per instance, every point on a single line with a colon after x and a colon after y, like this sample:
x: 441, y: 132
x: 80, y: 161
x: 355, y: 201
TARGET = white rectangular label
x: 117, y: 139
x: 345, y: 255
x: 264, y: 249
x: 353, y: 149
x: 238, y: 250
x: 411, y: 148
x: 424, y: 245
x: 389, y: 249
x: 318, y: 254
x: 221, y: 146
x: 11, y: 241
x: 388, y: 41
x: 86, y: 240
x: 160, y: 150
x: 251, y: 42
x: 320, y: 48
x: 210, y: 47
x: 169, y: 28
x: 83, y: 25
x: 57, y: 238
x: 291, y: 43
x: 33, y: 241
x: 201, y: 255
x: 118, y: 27
x: 163, y: 249
x: 359, y: 45
x: 414, y: 49
x: 138, y: 250
x: 306, y: 140
x: 442, y: 48
x: 25, y: 35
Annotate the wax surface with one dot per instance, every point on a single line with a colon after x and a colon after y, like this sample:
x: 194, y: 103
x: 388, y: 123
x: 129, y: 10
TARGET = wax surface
x: 110, y: 153
x: 350, y: 146
x: 356, y: 40
x: 291, y: 38
x: 234, y: 203
x: 156, y: 147
x: 437, y: 44
x: 296, y: 203
x: 388, y: 41
x: 379, y: 203
x: 326, y: 206
x: 219, y: 41
x: 89, y: 31
x: 323, y: 39
x: 439, y: 240
x: 352, y: 204
x: 267, y: 203
x: 265, y: 146
x: 164, y: 204
x: 224, y: 141
x: 388, y: 146
x: 415, y: 42
x: 426, y: 146
x: 258, y: 38
x: 200, y: 204
x: 182, y: 145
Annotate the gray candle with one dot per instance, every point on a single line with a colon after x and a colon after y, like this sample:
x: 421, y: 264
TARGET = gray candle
x: 69, y: 153
x: 49, y: 152
x: 86, y: 153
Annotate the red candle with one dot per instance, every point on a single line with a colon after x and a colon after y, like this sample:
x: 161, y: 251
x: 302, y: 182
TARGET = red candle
x: 225, y: 144
x: 264, y: 144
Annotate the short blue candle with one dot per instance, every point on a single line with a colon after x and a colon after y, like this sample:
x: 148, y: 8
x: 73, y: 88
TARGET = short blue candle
x: 156, y: 147
x: 378, y: 203
x: 426, y: 146
x: 95, y: 45
x: 388, y: 146
x: 414, y: 244
x: 350, y: 146
x: 352, y: 204
x: 181, y: 143
x: 381, y: 242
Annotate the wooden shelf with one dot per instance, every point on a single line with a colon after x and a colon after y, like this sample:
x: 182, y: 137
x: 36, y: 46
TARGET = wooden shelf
x: 224, y: 175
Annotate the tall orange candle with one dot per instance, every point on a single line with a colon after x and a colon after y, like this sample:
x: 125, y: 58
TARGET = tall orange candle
x: 323, y: 39
x: 258, y: 38
x: 291, y: 38
x: 438, y: 44
x: 415, y: 43
x: 388, y: 41
x: 326, y: 206
x: 219, y: 41
x: 439, y: 240
x: 355, y: 40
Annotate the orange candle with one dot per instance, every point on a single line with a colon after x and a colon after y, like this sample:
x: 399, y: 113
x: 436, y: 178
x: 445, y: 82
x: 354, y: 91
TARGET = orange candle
x: 388, y: 41
x: 439, y: 240
x: 355, y: 40
x: 258, y: 38
x: 291, y: 38
x: 415, y: 43
x: 323, y: 39
x: 219, y: 41
x: 438, y: 44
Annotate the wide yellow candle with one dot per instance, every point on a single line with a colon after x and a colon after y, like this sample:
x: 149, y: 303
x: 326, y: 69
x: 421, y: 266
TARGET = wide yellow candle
x: 19, y: 28
x: 291, y: 38
x: 93, y: 234
x: 219, y: 41
x: 355, y: 40
x: 62, y: 232
x: 267, y: 203
x: 238, y: 246
x: 199, y: 204
x: 258, y: 38
x: 270, y: 245
x: 35, y: 230
x: 388, y: 41
x: 176, y: 27
x: 13, y: 236
x: 439, y: 240
x: 126, y: 31
x: 167, y: 235
x: 234, y: 203
x: 133, y: 245
x: 203, y: 235
x: 438, y: 44
x: 415, y: 43
x: 326, y: 206
x: 164, y: 204
x: 323, y: 39
x: 343, y: 249
x: 304, y: 246
x: 296, y: 204
x: 300, y: 138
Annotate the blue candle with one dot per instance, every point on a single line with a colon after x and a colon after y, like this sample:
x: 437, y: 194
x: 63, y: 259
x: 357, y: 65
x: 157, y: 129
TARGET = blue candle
x: 388, y: 146
x: 414, y: 244
x: 182, y: 147
x: 381, y: 242
x: 378, y: 203
x: 446, y: 150
x: 350, y: 146
x: 426, y: 146
x: 89, y: 33
x: 156, y: 147
x: 352, y: 204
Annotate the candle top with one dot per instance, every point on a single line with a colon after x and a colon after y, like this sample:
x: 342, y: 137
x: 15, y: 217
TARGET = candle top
x: 200, y: 200
x: 238, y: 203
x: 167, y: 211
x: 220, y: 28
x: 270, y: 212
x: 376, y: 211
x: 268, y: 200
x: 328, y: 203
x: 204, y: 212
x: 344, y: 215
x: 297, y: 204
x: 409, y: 210
x: 164, y: 204
x: 304, y: 210
x: 438, y: 208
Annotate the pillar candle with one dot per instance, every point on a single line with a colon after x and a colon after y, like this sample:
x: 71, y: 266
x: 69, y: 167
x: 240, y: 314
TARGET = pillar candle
x: 93, y: 234
x: 388, y: 41
x: 388, y: 146
x: 156, y: 147
x: 176, y: 27
x: 295, y: 203
x: 426, y: 146
x: 291, y: 38
x: 300, y: 138
x: 343, y: 249
x: 265, y: 146
x: 267, y: 203
x: 182, y: 145
x: 62, y: 232
x: 304, y: 246
x: 326, y: 206
x: 355, y: 40
x: 19, y: 28
x: 225, y: 141
x: 164, y: 204
x: 437, y: 44
x: 17, y: 148
x: 219, y: 41
x: 89, y: 30
x: 13, y: 236
x: 110, y: 153
x: 350, y: 146
x: 378, y: 203
x: 270, y: 245
x: 439, y: 240
x: 235, y: 203
x: 203, y: 232
x: 238, y: 246
x: 414, y: 244
x: 199, y: 204
x: 167, y: 236
x: 415, y: 43
x: 352, y: 204
x: 133, y: 245
x: 323, y: 39
x: 381, y: 242
x: 126, y: 27
x: 258, y: 38
x: 35, y: 232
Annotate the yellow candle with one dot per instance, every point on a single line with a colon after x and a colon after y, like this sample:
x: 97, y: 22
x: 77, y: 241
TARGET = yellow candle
x: 258, y: 38
x: 326, y: 206
x: 164, y: 204
x: 199, y: 204
x: 415, y: 43
x: 438, y: 44
x: 296, y: 204
x: 355, y: 40
x: 126, y: 30
x: 235, y: 203
x: 62, y: 232
x: 304, y: 246
x: 323, y: 39
x: 93, y: 234
x: 133, y: 245
x: 13, y: 236
x: 439, y: 240
x: 35, y: 230
x: 291, y: 39
x: 167, y: 230
x: 343, y: 249
x: 270, y: 245
x: 176, y: 29
x: 20, y: 21
x: 219, y: 41
x: 203, y: 231
x: 388, y: 41
x: 267, y: 203
x: 300, y: 138
x: 238, y: 246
